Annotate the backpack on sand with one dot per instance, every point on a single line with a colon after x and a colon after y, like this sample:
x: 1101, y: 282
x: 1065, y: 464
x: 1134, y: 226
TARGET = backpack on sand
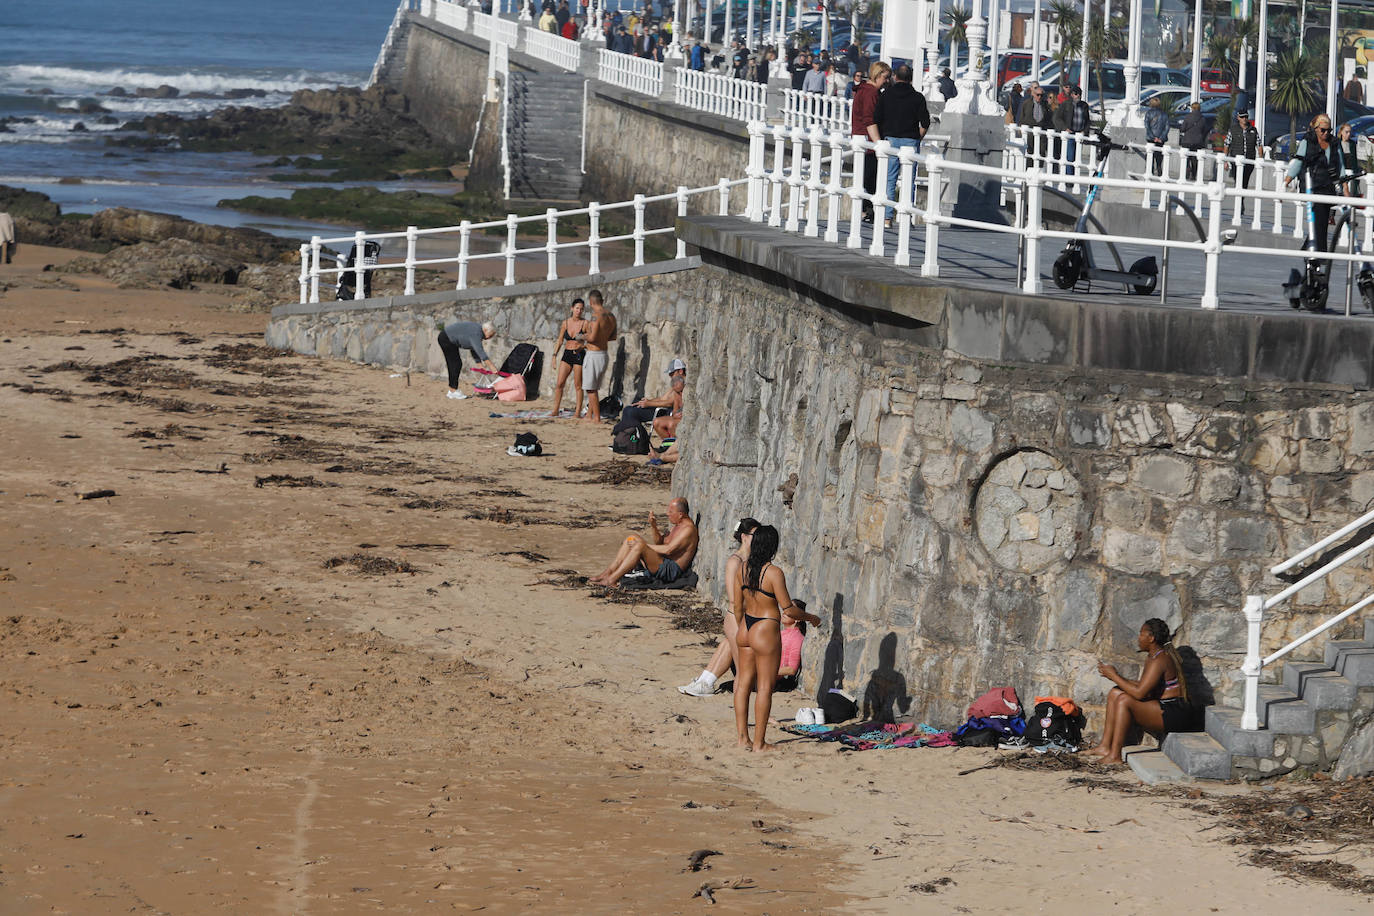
x: 632, y: 440
x: 1052, y: 724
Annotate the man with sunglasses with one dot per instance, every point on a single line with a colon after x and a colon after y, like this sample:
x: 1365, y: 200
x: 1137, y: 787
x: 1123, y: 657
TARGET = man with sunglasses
x: 1035, y: 112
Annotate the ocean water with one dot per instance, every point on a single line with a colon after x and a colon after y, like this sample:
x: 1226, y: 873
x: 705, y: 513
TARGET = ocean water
x: 57, y: 54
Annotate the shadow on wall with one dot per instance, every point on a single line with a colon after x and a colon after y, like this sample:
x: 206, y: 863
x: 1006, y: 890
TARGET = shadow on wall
x: 1200, y: 690
x: 886, y: 693
x: 832, y: 666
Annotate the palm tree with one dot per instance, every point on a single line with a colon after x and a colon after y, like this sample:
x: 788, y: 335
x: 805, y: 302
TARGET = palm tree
x: 1224, y: 53
x: 1293, y: 76
x: 1102, y: 42
x: 958, y: 18
x: 1068, y: 24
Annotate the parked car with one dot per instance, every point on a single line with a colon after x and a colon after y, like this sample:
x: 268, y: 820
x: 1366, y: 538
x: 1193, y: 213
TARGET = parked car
x: 1016, y: 65
x: 1210, y: 105
x: 1213, y: 80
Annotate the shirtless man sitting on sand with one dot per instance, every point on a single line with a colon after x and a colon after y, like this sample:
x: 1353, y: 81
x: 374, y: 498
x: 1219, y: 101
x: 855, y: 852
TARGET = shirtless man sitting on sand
x: 666, y: 559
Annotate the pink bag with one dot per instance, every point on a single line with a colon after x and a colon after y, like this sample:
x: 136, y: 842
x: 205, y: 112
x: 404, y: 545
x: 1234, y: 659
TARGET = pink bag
x: 1000, y: 701
x: 510, y: 388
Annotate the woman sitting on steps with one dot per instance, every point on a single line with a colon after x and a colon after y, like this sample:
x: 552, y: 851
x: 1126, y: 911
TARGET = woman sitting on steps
x: 1157, y: 702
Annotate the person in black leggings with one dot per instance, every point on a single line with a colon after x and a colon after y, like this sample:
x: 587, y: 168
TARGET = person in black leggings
x: 1318, y: 155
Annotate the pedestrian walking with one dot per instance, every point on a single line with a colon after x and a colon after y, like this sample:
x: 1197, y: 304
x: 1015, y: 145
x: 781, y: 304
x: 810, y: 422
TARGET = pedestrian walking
x: 902, y: 118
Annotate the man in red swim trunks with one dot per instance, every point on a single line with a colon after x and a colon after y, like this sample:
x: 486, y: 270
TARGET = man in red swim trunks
x: 666, y: 559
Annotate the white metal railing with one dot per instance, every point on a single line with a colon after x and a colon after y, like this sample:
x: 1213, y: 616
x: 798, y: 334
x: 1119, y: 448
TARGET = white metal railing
x: 1065, y: 153
x: 716, y: 198
x: 401, y: 9
x: 505, y: 122
x: 1255, y: 606
x: 637, y: 74
x: 742, y: 100
x: 450, y: 14
x: 494, y: 28
x: 812, y: 109
x: 810, y: 180
x: 555, y: 49
x: 498, y: 60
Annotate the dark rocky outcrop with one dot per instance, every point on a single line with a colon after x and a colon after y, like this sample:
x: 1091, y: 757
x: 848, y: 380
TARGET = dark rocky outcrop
x: 174, y: 262
x: 39, y: 221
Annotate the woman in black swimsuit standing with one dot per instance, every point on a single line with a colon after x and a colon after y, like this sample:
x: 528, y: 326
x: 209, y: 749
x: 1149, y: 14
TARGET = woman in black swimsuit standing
x: 1157, y: 702
x: 571, y: 334
x: 758, y: 605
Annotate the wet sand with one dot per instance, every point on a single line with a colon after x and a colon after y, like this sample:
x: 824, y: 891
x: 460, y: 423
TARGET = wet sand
x: 199, y: 712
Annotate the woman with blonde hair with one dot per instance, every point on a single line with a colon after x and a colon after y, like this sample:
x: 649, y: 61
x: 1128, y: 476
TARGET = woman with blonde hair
x: 1318, y: 156
x: 860, y: 116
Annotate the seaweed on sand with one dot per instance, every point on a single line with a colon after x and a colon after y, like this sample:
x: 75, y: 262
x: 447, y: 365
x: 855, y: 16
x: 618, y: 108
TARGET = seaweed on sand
x: 371, y: 565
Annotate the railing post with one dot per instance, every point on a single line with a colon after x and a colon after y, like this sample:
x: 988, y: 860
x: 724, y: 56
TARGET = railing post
x: 410, y: 259
x: 930, y: 267
x: 593, y: 238
x: 905, y: 169
x: 315, y: 269
x: 358, y: 271
x: 754, y: 171
x: 551, y: 246
x: 1215, y: 192
x: 794, y: 182
x: 305, y: 272
x: 510, y: 249
x: 681, y: 214
x: 1034, y: 219
x: 1251, y: 668
x: 883, y: 149
x: 856, y: 192
x: 639, y: 230
x: 779, y: 174
x: 835, y: 188
x: 816, y: 159
x: 723, y: 188
x: 464, y: 252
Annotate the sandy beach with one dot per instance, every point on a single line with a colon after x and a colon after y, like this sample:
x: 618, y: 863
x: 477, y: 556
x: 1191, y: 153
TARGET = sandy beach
x: 322, y: 651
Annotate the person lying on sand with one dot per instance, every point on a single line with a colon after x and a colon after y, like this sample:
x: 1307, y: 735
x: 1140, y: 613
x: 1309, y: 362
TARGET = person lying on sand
x: 665, y: 559
x: 793, y: 635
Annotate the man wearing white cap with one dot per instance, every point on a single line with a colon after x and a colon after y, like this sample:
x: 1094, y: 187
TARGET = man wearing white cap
x: 645, y: 409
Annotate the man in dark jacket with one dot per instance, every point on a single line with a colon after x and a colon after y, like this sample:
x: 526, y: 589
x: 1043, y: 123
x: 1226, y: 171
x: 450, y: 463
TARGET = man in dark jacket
x: 1035, y: 112
x: 1072, y: 117
x: 902, y: 119
x: 1192, y: 133
x: 1156, y: 134
x: 947, y: 87
x: 799, y: 67
x: 1243, y: 141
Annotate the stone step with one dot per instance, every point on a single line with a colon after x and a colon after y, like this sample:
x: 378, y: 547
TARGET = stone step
x: 1198, y: 755
x: 1336, y: 646
x: 1281, y: 710
x: 1152, y: 765
x: 1223, y: 724
x: 1357, y: 666
x: 1319, y: 685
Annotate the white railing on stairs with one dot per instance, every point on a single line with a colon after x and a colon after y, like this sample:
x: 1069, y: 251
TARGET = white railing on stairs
x: 1256, y: 605
x: 742, y: 100
x: 811, y: 181
x: 554, y: 49
x: 401, y: 9
x: 637, y: 74
x: 716, y: 198
x: 812, y: 109
x: 494, y: 28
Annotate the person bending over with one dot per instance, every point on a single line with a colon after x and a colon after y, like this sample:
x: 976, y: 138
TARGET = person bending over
x: 665, y: 559
x: 456, y: 337
x: 1157, y: 702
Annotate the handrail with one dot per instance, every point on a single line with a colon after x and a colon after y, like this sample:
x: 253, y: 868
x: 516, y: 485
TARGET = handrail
x: 742, y: 100
x: 555, y: 49
x: 1324, y: 543
x: 311, y: 271
x: 638, y: 74
x: 812, y: 109
x: 401, y: 9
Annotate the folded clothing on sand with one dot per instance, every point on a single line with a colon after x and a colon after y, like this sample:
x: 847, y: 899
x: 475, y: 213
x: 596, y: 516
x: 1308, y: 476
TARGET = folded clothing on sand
x: 645, y: 581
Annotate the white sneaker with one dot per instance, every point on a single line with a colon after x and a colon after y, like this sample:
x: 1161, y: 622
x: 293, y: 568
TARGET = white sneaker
x: 457, y: 396
x: 697, y: 689
x: 804, y: 717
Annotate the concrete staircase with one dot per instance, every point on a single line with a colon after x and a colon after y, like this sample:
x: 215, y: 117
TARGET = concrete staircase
x: 544, y: 133
x: 1304, y: 721
x: 391, y: 63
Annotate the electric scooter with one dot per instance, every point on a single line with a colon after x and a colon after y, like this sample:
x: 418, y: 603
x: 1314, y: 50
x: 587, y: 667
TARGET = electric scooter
x: 1075, y: 263
x: 1308, y: 288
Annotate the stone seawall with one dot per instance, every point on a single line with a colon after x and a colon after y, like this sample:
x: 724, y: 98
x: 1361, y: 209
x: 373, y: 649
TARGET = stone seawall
x: 444, y: 80
x: 961, y: 515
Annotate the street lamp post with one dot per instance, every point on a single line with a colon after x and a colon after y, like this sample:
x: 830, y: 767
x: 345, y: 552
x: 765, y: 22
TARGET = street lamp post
x: 1133, y: 58
x: 1262, y: 77
x: 1197, y: 51
x: 1332, y: 100
x: 1035, y: 44
x: 1083, y: 57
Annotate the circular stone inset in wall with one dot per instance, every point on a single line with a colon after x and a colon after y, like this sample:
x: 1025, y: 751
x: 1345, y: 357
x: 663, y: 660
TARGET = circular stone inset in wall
x: 1027, y: 511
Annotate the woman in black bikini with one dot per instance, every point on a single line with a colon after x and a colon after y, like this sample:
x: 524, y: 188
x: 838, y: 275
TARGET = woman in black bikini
x: 1157, y: 702
x: 758, y: 604
x: 571, y: 334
